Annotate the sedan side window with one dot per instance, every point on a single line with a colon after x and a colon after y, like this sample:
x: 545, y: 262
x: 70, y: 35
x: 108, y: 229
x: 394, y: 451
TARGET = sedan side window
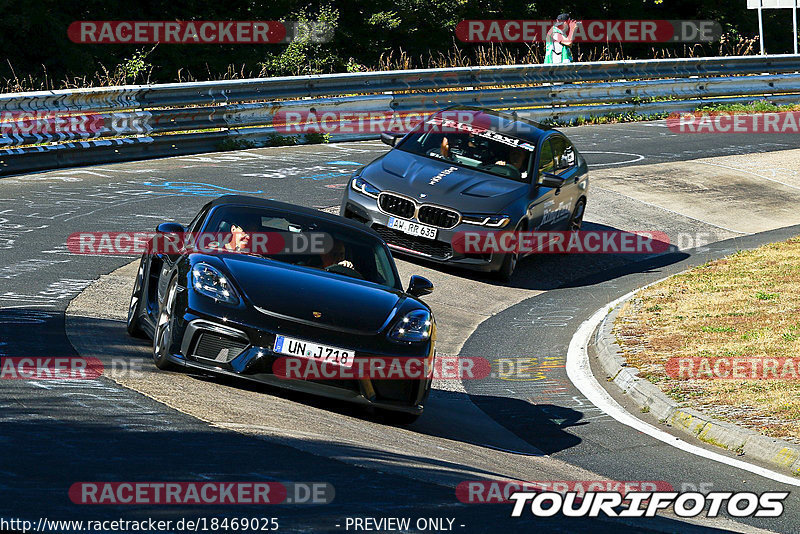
x: 564, y: 154
x: 546, y: 163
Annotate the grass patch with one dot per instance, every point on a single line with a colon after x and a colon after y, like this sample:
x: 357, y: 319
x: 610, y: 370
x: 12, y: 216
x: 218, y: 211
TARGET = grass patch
x: 766, y: 296
x: 718, y: 329
x: 757, y: 106
x: 744, y: 306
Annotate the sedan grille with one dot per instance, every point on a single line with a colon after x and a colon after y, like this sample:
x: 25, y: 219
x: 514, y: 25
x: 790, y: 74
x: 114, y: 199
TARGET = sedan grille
x: 394, y: 205
x: 218, y: 348
x: 426, y: 214
x: 436, y: 216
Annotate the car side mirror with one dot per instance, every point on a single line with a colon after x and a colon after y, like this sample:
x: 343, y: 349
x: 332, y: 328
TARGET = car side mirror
x: 389, y: 138
x: 419, y: 286
x: 551, y: 180
x: 170, y: 228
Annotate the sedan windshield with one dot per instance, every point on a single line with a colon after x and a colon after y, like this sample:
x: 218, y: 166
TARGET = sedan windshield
x: 304, y: 241
x: 471, y: 146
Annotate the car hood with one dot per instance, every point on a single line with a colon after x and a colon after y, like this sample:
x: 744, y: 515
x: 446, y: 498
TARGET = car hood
x: 463, y: 189
x: 290, y: 292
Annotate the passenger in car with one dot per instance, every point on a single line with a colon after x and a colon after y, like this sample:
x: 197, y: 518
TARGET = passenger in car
x: 239, y: 240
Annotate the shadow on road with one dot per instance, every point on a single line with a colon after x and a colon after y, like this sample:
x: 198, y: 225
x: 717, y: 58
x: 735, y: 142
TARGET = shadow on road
x: 61, y: 439
x: 548, y: 271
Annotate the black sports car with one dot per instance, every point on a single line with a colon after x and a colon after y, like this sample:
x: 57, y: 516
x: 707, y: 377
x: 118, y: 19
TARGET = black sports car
x: 468, y: 169
x: 230, y: 310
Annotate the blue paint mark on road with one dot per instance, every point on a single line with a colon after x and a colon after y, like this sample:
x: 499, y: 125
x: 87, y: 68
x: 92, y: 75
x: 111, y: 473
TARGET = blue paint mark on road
x: 344, y: 162
x: 198, y: 188
x: 324, y: 176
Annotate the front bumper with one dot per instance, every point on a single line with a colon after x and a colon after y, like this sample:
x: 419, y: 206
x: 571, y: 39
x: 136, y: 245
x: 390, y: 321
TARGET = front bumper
x: 245, y: 350
x: 365, y: 209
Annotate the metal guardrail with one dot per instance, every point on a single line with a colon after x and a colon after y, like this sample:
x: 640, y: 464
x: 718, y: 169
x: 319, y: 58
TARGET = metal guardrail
x: 135, y: 122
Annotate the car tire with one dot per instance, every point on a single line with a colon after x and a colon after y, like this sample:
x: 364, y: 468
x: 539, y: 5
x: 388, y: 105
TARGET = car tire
x: 509, y: 264
x: 165, y: 326
x: 134, y: 323
x: 576, y: 220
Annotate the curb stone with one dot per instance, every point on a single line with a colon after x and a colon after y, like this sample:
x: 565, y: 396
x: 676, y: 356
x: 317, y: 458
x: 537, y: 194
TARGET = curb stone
x: 649, y: 397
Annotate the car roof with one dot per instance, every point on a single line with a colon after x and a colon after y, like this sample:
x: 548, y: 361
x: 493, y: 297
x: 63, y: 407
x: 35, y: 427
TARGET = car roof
x: 499, y: 121
x: 257, y: 202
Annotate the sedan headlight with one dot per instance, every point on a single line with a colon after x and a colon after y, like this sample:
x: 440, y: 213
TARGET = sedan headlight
x: 414, y: 327
x: 208, y: 281
x: 364, y: 187
x: 490, y: 221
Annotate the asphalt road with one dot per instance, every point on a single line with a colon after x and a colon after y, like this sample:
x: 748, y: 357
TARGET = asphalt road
x: 58, y: 433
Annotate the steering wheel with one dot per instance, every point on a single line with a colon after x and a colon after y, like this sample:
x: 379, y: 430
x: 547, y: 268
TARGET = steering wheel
x: 341, y: 269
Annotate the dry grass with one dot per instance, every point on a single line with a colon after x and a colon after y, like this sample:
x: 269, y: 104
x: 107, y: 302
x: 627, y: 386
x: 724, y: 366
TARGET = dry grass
x: 746, y: 305
x: 730, y: 44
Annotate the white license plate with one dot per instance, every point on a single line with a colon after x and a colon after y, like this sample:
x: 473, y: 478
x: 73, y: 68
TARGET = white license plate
x: 313, y: 351
x: 412, y: 228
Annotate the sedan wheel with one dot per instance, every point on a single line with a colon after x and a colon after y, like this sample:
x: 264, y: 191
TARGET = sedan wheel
x: 509, y: 263
x: 133, y: 324
x: 162, y: 340
x: 576, y: 221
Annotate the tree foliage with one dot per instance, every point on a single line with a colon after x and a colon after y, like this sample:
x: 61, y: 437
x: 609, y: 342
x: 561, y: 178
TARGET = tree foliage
x: 36, y: 47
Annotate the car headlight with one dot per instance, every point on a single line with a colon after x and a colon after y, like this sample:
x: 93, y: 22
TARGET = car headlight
x: 208, y: 281
x: 414, y: 327
x: 490, y: 221
x: 364, y: 187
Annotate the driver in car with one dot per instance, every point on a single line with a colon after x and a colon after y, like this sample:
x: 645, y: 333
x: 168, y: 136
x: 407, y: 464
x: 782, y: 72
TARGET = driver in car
x: 336, y: 256
x: 517, y: 158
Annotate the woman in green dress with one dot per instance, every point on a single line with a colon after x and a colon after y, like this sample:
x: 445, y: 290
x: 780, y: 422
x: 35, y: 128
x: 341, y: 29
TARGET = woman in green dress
x: 559, y: 40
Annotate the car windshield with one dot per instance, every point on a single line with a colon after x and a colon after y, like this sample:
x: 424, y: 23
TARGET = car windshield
x: 471, y: 146
x: 303, y: 240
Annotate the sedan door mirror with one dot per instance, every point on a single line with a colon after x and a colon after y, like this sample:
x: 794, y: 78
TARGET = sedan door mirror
x: 551, y: 180
x: 170, y: 228
x: 419, y: 286
x: 390, y: 138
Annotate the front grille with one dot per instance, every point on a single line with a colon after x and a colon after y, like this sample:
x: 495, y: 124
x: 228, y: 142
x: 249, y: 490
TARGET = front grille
x: 218, y: 348
x: 394, y: 205
x: 435, y: 249
x: 436, y: 216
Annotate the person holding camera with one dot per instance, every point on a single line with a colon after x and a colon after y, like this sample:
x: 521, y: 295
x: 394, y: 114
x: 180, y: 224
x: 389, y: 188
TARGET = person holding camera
x: 559, y: 40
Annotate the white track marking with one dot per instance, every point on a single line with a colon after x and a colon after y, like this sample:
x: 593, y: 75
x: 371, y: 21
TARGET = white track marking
x: 669, y: 210
x: 580, y: 373
x: 638, y: 157
x: 748, y: 172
